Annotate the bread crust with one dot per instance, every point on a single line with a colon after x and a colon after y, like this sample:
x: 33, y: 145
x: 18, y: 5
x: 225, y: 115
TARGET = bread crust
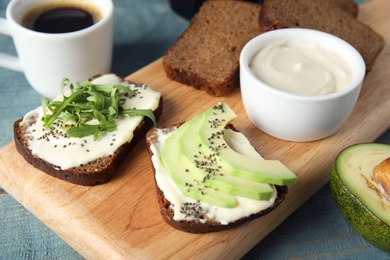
x: 348, y: 6
x: 194, y: 226
x: 106, y: 167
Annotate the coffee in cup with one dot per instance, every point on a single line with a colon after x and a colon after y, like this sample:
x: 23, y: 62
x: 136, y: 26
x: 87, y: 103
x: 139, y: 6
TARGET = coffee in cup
x: 51, y: 47
x: 61, y: 17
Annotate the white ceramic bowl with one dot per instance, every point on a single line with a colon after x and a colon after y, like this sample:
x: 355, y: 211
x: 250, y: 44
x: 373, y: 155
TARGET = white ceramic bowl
x: 296, y: 117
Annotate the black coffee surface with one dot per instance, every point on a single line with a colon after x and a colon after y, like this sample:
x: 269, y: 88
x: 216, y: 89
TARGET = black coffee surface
x: 63, y: 20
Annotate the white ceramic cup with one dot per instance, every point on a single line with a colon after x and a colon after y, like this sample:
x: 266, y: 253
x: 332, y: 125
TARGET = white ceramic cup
x: 296, y: 117
x: 47, y: 58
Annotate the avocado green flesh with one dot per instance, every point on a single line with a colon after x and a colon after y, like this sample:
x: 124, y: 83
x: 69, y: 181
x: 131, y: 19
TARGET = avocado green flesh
x: 356, y: 194
x: 267, y: 171
x: 212, y: 173
x: 178, y: 172
x: 201, y: 172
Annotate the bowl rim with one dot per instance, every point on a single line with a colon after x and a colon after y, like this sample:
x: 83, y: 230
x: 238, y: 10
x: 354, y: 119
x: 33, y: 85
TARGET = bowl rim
x: 295, y: 33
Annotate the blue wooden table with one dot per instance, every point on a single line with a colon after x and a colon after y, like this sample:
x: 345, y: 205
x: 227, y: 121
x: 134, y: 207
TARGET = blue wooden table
x: 144, y: 30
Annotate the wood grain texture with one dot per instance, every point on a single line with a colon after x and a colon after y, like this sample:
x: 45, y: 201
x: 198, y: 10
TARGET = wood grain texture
x: 120, y: 219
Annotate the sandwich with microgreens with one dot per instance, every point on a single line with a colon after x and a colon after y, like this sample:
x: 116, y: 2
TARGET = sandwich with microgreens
x: 84, y: 134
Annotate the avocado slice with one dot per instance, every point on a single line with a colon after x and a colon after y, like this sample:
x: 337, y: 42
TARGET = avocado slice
x: 184, y: 180
x: 211, y: 136
x: 201, y: 172
x: 203, y: 162
x: 358, y: 195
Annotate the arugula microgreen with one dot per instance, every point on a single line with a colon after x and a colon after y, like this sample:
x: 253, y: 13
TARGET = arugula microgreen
x: 87, y: 101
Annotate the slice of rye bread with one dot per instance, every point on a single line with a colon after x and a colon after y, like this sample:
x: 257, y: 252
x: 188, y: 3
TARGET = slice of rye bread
x: 93, y: 173
x: 206, y: 55
x: 323, y: 15
x: 196, y: 226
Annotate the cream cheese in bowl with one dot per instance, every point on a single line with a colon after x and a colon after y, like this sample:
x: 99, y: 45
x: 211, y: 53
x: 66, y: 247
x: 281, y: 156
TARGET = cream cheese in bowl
x: 301, y: 67
x: 308, y: 84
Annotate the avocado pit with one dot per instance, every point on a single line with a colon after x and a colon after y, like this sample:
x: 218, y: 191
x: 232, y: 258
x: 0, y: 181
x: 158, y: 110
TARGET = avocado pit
x: 382, y: 178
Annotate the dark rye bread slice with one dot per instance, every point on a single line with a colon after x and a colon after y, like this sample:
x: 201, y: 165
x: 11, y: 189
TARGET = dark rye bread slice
x: 206, y: 55
x: 195, y: 226
x: 323, y: 15
x: 93, y: 173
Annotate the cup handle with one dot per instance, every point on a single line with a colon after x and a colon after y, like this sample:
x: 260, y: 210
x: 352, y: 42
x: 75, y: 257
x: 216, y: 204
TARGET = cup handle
x: 6, y: 60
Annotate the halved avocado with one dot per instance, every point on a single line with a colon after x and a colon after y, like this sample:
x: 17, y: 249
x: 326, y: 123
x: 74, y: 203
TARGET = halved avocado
x: 359, y: 195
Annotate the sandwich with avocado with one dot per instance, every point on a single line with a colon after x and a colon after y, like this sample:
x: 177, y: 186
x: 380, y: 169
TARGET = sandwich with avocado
x: 209, y: 177
x: 84, y: 134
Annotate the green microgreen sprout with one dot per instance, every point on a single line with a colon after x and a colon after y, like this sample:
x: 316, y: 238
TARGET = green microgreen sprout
x: 87, y: 101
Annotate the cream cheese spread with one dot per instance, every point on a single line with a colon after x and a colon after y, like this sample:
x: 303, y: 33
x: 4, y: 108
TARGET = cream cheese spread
x: 55, y: 147
x: 246, y: 207
x: 302, y: 68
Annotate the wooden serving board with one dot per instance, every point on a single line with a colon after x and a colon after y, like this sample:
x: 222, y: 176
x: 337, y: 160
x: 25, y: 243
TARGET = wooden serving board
x: 121, y: 219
